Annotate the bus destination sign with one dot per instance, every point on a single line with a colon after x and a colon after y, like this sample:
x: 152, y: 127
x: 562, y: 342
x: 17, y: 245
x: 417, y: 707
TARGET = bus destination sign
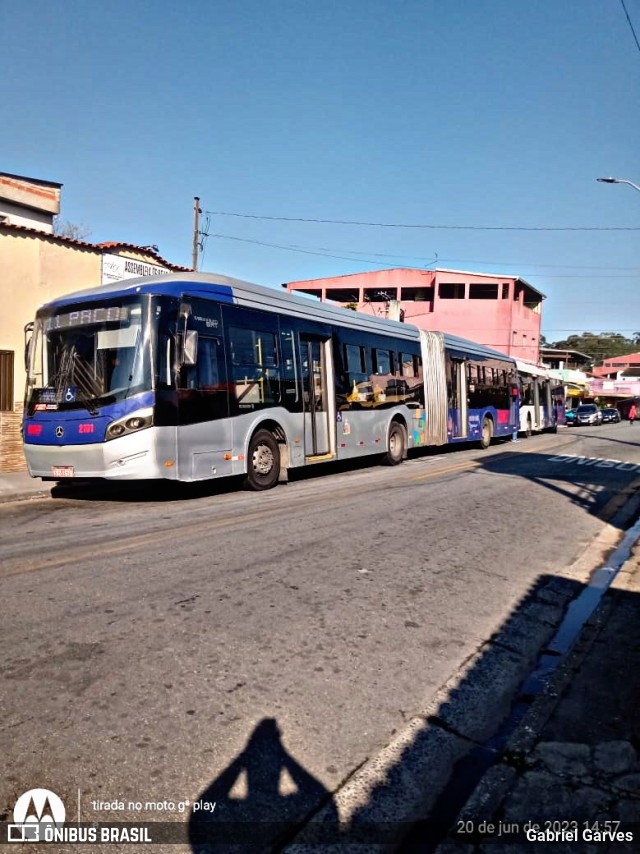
x: 87, y: 317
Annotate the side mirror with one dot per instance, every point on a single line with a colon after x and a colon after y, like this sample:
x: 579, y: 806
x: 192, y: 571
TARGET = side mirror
x: 28, y: 334
x: 190, y: 347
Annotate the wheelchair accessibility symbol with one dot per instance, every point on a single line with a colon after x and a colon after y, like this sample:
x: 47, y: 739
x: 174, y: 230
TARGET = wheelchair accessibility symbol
x: 69, y: 395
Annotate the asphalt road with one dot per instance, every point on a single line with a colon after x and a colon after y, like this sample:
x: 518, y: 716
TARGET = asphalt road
x: 167, y: 646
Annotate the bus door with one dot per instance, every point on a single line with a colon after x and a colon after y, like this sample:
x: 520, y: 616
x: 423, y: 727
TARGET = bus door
x: 315, y: 358
x: 548, y: 419
x: 538, y: 415
x: 558, y: 402
x: 458, y: 415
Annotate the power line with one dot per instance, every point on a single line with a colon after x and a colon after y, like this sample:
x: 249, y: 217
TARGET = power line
x: 631, y: 25
x: 426, y: 265
x: 296, y: 247
x: 533, y: 264
x: 305, y: 251
x: 425, y: 226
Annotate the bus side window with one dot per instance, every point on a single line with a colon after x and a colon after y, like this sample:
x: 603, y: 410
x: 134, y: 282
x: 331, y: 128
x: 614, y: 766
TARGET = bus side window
x: 208, y: 372
x: 208, y: 367
x: 381, y: 373
x: 360, y: 390
x: 204, y: 394
x: 254, y: 363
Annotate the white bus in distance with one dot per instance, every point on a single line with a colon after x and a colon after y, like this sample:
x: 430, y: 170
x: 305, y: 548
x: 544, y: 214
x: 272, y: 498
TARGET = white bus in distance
x: 542, y: 399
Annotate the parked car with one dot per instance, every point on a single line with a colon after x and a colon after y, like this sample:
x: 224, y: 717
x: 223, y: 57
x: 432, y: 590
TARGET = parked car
x: 588, y: 413
x: 570, y: 417
x: 611, y: 416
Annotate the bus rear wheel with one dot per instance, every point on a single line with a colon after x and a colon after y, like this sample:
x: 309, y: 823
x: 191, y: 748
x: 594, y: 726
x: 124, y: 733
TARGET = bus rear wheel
x: 395, y: 446
x: 263, y: 461
x: 529, y: 430
x: 487, y: 433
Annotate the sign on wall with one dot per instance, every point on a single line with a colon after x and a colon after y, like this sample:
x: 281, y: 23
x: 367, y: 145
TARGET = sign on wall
x: 115, y: 268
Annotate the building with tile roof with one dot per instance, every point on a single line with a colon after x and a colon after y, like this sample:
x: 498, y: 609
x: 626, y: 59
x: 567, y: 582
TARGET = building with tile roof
x: 37, y: 266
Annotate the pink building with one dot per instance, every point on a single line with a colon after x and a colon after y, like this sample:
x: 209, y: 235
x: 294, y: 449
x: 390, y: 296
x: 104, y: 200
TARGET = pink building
x: 619, y: 367
x: 503, y: 312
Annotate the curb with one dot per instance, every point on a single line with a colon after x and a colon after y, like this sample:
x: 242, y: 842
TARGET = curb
x: 486, y: 800
x: 25, y: 496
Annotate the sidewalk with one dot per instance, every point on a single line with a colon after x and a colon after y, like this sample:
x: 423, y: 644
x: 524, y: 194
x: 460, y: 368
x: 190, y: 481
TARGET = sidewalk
x: 574, y: 759
x: 18, y: 486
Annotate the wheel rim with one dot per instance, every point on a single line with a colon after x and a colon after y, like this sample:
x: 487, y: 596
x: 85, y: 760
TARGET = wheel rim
x: 262, y: 460
x: 486, y: 432
x: 395, y: 444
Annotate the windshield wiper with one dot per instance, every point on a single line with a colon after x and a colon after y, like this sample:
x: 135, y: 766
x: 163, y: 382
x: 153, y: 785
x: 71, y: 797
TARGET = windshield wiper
x: 90, y: 405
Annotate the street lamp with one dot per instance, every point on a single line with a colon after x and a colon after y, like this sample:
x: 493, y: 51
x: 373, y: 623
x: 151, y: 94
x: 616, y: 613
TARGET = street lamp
x: 618, y: 181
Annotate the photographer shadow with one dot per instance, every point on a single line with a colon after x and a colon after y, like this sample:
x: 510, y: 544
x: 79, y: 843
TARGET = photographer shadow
x: 260, y: 800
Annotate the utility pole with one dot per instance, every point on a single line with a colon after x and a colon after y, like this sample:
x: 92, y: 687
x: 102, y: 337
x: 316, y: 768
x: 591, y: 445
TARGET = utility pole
x: 196, y: 227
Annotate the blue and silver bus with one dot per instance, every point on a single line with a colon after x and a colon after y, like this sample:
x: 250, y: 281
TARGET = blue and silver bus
x: 192, y: 376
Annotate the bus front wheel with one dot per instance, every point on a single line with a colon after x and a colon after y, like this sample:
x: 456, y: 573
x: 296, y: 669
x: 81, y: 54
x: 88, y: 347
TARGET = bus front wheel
x: 487, y: 433
x: 263, y: 461
x: 395, y: 446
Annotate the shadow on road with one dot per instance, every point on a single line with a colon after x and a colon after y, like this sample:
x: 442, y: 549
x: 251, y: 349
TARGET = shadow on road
x: 263, y: 795
x: 412, y: 792
x: 603, y: 485
x: 146, y: 491
x: 143, y: 491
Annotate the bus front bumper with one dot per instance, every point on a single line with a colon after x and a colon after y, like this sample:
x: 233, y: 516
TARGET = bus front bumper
x: 132, y: 457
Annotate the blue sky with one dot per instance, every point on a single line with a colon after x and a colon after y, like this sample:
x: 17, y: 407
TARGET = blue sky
x: 480, y: 114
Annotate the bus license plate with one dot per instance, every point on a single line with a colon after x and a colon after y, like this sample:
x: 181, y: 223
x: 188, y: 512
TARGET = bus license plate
x: 62, y: 471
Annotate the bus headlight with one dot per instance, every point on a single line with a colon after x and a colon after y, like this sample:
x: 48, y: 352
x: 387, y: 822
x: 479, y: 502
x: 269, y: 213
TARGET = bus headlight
x: 130, y: 424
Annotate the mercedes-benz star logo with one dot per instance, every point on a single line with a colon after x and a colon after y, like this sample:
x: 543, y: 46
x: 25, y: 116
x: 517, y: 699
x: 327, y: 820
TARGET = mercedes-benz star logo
x: 59, y: 432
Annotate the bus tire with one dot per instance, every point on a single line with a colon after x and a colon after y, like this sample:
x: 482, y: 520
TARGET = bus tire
x: 395, y: 445
x: 263, y: 461
x: 529, y: 430
x: 487, y: 433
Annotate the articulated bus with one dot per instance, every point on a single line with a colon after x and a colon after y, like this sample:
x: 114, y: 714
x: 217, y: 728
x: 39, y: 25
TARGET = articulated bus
x: 541, y: 399
x: 193, y: 376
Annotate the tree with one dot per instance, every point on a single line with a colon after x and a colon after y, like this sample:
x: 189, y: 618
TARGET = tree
x: 64, y: 228
x: 601, y: 346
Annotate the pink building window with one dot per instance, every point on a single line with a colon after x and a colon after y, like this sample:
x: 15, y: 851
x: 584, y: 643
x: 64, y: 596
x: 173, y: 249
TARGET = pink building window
x: 451, y: 290
x: 483, y: 291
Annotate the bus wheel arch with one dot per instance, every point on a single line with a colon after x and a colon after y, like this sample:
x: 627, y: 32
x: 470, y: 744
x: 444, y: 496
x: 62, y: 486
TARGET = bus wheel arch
x: 396, y: 443
x: 266, y: 452
x: 486, y: 432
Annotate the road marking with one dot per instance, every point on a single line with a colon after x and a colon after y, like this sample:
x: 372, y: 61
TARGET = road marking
x: 458, y: 467
x: 595, y: 462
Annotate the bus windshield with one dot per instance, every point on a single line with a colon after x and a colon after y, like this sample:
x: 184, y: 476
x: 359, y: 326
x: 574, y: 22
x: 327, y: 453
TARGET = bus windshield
x: 87, y: 356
